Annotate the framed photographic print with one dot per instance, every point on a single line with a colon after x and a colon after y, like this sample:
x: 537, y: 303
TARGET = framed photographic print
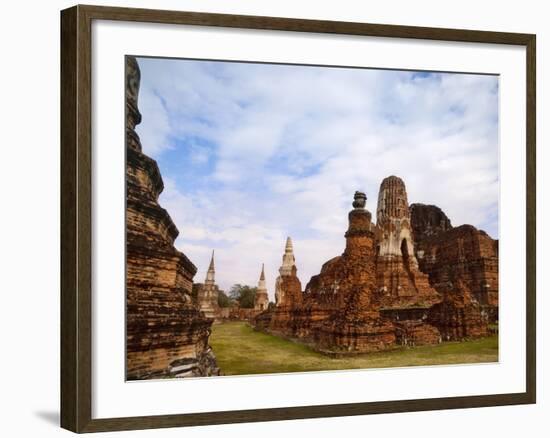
x: 268, y: 218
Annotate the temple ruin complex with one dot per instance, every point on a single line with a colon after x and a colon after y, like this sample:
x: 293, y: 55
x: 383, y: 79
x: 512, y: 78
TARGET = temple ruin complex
x: 409, y: 279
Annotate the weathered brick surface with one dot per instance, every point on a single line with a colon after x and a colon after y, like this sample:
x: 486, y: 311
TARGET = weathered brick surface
x: 459, y: 316
x: 427, y: 220
x: 166, y: 334
x: 462, y: 264
x: 466, y: 254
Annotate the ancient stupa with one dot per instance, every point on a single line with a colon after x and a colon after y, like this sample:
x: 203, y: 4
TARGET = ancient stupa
x: 207, y: 293
x: 166, y: 334
x: 261, y: 300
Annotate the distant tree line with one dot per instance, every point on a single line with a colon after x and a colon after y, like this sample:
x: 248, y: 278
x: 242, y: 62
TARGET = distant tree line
x: 223, y: 299
x: 241, y: 294
x: 244, y: 295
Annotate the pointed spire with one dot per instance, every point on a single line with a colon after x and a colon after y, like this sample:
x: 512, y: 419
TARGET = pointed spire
x: 288, y: 258
x: 211, y: 267
x: 210, y: 274
x: 261, y: 299
x: 288, y: 246
x: 261, y: 282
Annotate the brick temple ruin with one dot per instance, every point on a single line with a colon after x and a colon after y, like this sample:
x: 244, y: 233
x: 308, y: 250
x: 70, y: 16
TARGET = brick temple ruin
x: 207, y: 293
x: 207, y: 299
x: 166, y: 333
x: 409, y: 279
x: 261, y: 299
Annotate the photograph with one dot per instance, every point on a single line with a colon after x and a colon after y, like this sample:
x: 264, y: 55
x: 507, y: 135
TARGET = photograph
x: 289, y: 218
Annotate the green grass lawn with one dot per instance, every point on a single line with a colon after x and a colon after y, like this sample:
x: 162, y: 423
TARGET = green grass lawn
x: 241, y: 350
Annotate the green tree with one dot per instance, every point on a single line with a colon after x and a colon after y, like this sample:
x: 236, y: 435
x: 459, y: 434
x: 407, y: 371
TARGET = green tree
x: 244, y: 295
x: 223, y: 299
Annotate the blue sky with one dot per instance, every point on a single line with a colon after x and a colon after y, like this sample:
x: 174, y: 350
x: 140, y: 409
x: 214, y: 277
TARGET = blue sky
x: 251, y: 153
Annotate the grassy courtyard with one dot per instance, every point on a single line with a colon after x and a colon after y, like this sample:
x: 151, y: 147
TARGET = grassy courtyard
x: 241, y: 350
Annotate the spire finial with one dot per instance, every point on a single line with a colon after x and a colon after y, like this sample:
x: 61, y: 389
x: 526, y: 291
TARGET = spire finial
x: 262, y: 275
x: 288, y: 258
x: 288, y: 246
x: 359, y: 200
x: 211, y: 267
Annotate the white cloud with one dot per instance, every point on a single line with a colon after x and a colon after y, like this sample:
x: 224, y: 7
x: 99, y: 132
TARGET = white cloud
x: 290, y: 146
x: 154, y: 134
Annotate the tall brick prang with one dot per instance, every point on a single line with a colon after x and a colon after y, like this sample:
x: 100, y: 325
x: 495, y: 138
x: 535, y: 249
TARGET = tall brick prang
x: 398, y: 277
